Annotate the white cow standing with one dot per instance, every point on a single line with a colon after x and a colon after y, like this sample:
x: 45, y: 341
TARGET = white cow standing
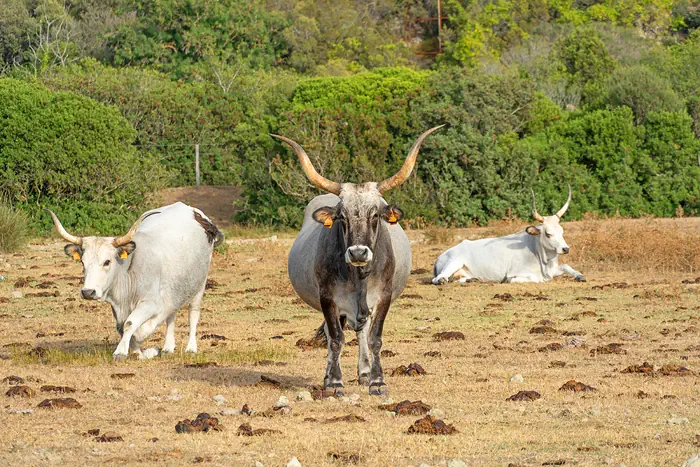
x: 147, y: 275
x: 531, y: 255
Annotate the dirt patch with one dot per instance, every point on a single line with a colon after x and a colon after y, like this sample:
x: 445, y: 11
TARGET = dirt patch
x: 430, y: 425
x: 504, y: 297
x: 109, y: 437
x: 204, y: 423
x: 213, y: 337
x: 246, y: 430
x: 525, y: 396
x: 388, y: 353
x: 613, y: 285
x: 407, y: 408
x: 22, y: 283
x: 449, y: 336
x: 13, y: 380
x: 554, y: 346
x: 543, y: 330
x: 122, y: 375
x: 644, y: 369
x: 20, y: 391
x: 316, y: 342
x: 608, y: 349
x: 201, y: 365
x: 60, y: 403
x: 675, y: 370
x: 432, y: 353
x: 269, y: 382
x: 576, y: 386
x: 349, y: 418
x: 345, y: 457
x: 57, y: 389
x: 413, y: 369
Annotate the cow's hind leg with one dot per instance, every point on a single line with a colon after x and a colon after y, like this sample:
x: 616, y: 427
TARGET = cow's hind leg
x: 194, y: 319
x: 462, y: 275
x: 364, y: 364
x: 169, y: 343
x: 450, y: 268
x: 333, y: 380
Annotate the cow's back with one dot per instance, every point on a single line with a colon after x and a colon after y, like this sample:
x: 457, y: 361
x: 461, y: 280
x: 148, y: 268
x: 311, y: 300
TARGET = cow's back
x: 172, y: 253
x: 304, y: 252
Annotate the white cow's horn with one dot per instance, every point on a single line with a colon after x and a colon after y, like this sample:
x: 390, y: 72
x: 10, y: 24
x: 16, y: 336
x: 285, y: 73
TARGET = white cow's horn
x: 535, y: 214
x: 62, y: 232
x: 561, y: 212
x: 121, y: 241
x: 407, y: 167
x: 314, y: 177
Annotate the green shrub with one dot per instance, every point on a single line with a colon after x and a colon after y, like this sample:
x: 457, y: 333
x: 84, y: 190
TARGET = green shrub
x: 73, y: 155
x: 14, y: 228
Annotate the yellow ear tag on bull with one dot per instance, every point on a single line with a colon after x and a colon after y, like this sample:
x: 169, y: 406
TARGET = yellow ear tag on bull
x: 76, y: 256
x: 392, y: 219
x: 328, y: 223
x: 123, y: 254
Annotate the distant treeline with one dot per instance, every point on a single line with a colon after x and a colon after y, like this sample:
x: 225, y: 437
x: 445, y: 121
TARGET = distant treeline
x: 102, y: 102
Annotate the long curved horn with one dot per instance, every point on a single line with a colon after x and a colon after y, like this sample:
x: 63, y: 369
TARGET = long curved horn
x: 561, y: 212
x: 62, y: 232
x: 407, y: 166
x: 314, y: 177
x: 535, y: 214
x: 123, y: 240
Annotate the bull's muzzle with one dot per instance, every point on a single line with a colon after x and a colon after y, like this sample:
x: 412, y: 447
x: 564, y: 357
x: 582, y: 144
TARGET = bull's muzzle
x: 88, y: 294
x: 565, y: 250
x: 358, y: 255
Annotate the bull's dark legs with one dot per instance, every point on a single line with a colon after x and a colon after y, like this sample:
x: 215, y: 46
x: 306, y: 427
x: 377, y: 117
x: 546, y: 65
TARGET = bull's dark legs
x: 377, y: 386
x: 364, y: 365
x: 336, y: 338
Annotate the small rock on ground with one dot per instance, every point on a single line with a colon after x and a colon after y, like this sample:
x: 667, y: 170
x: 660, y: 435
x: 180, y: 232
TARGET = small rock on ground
x: 282, y: 402
x: 678, y: 421
x: 219, y: 399
x: 692, y: 461
x: 516, y: 379
x: 456, y: 463
x: 294, y: 462
x: 304, y: 396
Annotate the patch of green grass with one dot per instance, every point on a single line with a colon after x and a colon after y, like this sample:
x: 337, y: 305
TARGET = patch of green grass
x: 14, y: 229
x: 89, y: 356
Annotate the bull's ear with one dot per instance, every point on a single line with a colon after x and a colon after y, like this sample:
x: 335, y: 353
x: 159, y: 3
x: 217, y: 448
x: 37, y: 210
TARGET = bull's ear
x: 125, y: 250
x: 392, y: 214
x: 532, y: 230
x: 74, y: 251
x: 324, y: 216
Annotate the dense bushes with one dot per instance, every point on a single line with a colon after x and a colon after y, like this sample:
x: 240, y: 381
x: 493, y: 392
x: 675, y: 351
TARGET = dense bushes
x: 69, y: 153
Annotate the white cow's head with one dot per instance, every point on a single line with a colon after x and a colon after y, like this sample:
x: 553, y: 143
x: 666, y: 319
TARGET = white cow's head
x: 102, y: 257
x: 550, y: 232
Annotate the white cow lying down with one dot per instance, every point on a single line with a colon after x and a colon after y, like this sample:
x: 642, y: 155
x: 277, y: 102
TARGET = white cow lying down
x: 531, y: 255
x: 147, y: 275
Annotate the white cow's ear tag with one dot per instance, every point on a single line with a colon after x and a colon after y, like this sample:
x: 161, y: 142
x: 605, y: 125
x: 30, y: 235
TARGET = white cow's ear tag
x: 328, y: 223
x: 76, y: 256
x: 123, y: 254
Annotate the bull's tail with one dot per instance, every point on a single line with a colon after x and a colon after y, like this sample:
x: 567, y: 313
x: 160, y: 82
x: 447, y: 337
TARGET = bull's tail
x: 219, y: 239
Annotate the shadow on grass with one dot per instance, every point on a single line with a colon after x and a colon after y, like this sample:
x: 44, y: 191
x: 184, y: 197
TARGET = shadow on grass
x: 229, y: 376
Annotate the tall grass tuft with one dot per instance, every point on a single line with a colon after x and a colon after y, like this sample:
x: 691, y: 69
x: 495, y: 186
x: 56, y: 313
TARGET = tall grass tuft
x: 14, y: 229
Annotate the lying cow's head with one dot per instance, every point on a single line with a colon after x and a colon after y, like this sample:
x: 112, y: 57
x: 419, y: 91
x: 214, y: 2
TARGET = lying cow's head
x: 102, y: 257
x: 361, y: 207
x: 550, y: 232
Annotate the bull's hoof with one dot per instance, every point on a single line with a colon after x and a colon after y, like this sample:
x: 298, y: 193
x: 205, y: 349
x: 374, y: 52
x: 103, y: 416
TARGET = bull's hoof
x: 118, y: 357
x: 378, y: 390
x: 363, y: 380
x: 580, y: 279
x: 440, y: 281
x: 336, y: 390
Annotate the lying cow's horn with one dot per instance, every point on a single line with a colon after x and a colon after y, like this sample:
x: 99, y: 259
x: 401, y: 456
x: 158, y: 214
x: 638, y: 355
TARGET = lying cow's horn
x: 316, y: 179
x: 535, y: 214
x: 561, y: 212
x: 62, y: 232
x: 407, y: 166
x: 121, y: 241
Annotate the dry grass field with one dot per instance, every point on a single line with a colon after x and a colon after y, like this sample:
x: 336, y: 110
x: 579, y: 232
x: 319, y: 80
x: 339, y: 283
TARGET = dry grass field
x: 549, y: 334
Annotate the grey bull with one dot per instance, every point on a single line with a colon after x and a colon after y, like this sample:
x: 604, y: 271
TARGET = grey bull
x: 147, y: 275
x: 531, y: 255
x: 350, y: 260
